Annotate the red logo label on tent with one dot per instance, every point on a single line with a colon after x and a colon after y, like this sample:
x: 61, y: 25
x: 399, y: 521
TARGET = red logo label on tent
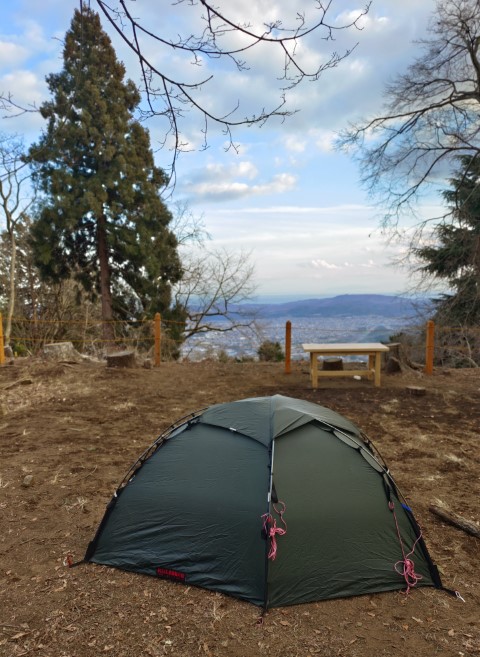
x: 171, y: 574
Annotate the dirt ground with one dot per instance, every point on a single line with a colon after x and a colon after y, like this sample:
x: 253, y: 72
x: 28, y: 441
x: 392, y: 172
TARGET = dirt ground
x: 76, y: 428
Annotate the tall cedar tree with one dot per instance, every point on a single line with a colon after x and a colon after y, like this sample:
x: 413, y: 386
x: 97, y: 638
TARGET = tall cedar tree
x: 455, y: 258
x: 103, y: 221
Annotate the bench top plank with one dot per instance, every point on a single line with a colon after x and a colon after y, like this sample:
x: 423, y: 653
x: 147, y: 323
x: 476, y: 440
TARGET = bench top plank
x: 346, y: 347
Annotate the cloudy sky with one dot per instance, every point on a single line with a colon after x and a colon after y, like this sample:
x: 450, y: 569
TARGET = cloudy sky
x: 285, y: 196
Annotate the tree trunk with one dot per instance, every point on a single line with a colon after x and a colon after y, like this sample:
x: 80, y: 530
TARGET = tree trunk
x: 476, y: 264
x: 11, y: 301
x: 33, y: 303
x: 105, y: 292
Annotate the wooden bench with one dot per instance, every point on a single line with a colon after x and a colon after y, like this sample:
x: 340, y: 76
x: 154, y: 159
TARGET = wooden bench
x: 373, y: 350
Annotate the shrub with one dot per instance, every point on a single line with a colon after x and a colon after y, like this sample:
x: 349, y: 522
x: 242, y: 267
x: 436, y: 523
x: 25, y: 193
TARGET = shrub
x: 271, y: 351
x: 223, y: 357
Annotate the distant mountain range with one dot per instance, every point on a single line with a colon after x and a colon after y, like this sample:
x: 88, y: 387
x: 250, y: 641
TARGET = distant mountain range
x: 351, y: 305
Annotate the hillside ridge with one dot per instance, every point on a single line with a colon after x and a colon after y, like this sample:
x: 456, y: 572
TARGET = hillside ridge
x: 341, y: 305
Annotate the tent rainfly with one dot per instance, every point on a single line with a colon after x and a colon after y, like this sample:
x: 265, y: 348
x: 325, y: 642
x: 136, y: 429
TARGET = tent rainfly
x: 273, y: 500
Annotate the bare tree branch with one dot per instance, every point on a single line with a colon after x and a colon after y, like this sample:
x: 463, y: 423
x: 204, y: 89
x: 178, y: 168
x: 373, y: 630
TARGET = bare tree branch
x: 168, y: 96
x: 213, y: 285
x: 172, y: 98
x: 430, y: 118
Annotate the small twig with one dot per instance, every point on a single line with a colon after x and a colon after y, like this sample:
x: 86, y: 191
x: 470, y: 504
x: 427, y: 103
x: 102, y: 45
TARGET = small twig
x: 29, y: 540
x: 11, y: 627
x: 92, y: 472
x: 19, y: 382
x: 89, y: 474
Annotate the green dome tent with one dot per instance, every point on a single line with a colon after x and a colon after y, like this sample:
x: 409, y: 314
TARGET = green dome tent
x: 273, y: 500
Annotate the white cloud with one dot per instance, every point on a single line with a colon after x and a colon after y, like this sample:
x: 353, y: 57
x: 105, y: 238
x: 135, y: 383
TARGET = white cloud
x: 370, y: 21
x: 243, y: 169
x: 310, y: 250
x: 228, y: 191
x: 28, y: 91
x: 324, y: 140
x: 12, y: 54
x: 26, y: 86
x: 323, y: 264
x: 294, y: 144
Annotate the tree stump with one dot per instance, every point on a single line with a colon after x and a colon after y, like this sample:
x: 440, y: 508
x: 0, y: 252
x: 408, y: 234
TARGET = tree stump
x: 392, y: 359
x: 393, y: 365
x: 332, y: 364
x: 396, y: 359
x: 61, y: 351
x: 394, y: 349
x: 416, y: 391
x: 121, y: 359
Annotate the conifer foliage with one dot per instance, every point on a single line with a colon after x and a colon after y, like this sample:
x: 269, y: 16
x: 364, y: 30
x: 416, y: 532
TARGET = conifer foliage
x: 102, y: 220
x: 455, y: 255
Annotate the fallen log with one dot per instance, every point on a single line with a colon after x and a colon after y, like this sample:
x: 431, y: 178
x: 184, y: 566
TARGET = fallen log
x: 454, y: 519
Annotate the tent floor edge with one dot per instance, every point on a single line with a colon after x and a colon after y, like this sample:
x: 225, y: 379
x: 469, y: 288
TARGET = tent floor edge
x: 77, y: 563
x: 89, y: 552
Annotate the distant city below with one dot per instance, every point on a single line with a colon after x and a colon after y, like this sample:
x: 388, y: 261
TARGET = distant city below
x: 345, y: 318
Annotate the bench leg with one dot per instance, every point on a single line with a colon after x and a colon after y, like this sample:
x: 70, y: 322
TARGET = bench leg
x: 314, y: 370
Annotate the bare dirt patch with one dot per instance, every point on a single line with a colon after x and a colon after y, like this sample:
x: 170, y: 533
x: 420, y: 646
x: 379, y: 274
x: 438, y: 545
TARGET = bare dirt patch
x: 75, y: 429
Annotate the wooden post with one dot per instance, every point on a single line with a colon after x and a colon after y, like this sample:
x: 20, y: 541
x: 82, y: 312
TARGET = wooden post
x: 288, y: 347
x: 158, y: 339
x: 429, y: 347
x: 2, y: 347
